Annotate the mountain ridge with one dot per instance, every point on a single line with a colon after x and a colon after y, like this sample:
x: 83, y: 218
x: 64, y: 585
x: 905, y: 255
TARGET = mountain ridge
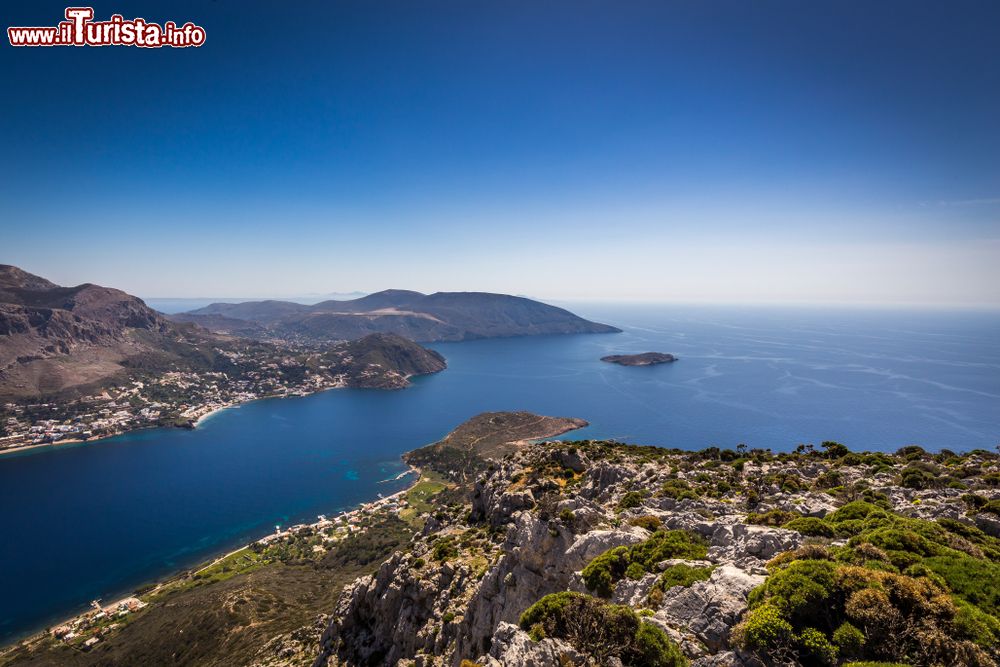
x: 441, y: 316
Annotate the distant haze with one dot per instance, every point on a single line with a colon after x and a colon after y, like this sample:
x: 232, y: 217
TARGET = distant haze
x: 818, y: 152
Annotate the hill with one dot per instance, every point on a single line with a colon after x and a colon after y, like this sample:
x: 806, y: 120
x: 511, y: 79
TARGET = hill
x: 443, y: 316
x: 382, y: 361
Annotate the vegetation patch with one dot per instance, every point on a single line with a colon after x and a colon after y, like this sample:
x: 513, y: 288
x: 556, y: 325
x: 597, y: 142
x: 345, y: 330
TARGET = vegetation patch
x: 903, y: 590
x: 602, y: 573
x: 601, y: 630
x: 677, y: 575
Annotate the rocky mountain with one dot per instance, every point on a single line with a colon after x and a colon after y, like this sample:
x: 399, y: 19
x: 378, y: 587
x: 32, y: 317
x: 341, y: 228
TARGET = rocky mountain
x: 55, y: 338
x: 444, y: 316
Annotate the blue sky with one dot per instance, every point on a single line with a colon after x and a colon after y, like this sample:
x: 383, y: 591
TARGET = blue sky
x: 692, y: 151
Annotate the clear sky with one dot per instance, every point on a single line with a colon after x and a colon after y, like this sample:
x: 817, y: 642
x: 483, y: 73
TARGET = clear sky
x: 614, y: 149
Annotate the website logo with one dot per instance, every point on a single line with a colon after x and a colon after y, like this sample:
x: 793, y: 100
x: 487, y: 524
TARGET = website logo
x: 80, y: 29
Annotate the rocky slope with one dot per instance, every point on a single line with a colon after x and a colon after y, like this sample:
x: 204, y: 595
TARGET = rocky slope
x: 552, y: 554
x: 710, y: 558
x: 55, y: 338
x: 444, y: 316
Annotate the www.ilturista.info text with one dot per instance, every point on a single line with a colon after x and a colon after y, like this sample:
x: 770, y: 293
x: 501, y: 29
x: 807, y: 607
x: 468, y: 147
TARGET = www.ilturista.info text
x: 79, y: 29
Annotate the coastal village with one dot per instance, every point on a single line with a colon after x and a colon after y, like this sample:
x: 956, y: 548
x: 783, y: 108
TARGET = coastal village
x: 181, y: 398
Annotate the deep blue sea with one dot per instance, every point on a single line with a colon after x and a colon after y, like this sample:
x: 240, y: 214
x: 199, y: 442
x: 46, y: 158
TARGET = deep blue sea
x: 99, y: 519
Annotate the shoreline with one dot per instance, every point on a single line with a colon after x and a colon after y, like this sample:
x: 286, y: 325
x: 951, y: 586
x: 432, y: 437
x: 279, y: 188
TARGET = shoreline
x: 192, y: 424
x: 149, y: 590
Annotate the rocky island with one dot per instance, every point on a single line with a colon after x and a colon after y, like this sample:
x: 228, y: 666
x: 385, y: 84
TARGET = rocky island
x: 511, y: 552
x: 644, y: 359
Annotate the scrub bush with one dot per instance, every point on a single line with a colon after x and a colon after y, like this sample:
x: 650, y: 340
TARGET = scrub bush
x: 604, y: 571
x: 601, y: 630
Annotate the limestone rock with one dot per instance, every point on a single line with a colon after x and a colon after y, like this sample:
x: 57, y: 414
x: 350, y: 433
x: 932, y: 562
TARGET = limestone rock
x: 512, y: 647
x: 709, y: 609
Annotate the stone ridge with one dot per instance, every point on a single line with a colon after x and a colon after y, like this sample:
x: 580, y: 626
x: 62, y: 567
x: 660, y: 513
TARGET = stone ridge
x: 537, y: 518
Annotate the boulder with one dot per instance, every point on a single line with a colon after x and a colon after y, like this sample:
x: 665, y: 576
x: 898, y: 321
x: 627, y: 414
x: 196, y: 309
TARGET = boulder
x: 512, y: 647
x: 750, y: 546
x: 709, y: 609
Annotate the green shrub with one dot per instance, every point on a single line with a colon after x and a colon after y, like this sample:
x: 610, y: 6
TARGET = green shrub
x: 829, y: 480
x: 848, y: 527
x: 635, y: 571
x: 683, y: 575
x: 848, y: 639
x: 763, y: 629
x: 918, y: 477
x: 604, y: 571
x: 631, y: 499
x: 814, y: 644
x: 654, y: 649
x: 678, y: 489
x: 976, y: 624
x: 834, y: 450
x: 601, y: 573
x: 911, y: 452
x: 974, y: 500
x: 601, y: 630
x: 975, y: 581
x: 650, y: 523
x: 900, y: 615
x: 444, y: 549
x: 810, y: 525
x: 858, y: 509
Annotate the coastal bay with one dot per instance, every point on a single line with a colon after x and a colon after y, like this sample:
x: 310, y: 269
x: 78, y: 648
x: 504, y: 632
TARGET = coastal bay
x: 129, y: 510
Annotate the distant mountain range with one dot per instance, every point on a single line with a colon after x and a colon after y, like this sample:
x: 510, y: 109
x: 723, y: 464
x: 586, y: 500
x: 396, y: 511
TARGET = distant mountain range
x: 57, y: 340
x: 443, y: 316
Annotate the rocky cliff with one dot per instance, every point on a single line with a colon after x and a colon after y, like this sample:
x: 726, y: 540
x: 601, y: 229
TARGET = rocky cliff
x: 696, y: 553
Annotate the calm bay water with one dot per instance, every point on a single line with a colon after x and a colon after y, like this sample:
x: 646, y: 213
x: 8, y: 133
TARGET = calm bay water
x: 99, y: 519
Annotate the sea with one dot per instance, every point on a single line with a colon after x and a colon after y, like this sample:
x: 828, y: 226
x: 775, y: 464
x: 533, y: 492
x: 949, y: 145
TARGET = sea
x: 97, y: 520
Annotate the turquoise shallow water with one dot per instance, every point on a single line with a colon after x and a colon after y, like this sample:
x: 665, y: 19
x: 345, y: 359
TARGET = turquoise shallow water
x: 99, y: 519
